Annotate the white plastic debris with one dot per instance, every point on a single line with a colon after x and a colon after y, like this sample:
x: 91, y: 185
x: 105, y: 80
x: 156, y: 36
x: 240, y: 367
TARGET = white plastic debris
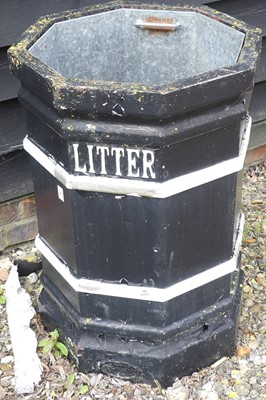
x: 28, y: 368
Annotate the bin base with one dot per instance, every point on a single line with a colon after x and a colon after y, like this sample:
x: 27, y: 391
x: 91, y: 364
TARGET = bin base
x: 203, y: 342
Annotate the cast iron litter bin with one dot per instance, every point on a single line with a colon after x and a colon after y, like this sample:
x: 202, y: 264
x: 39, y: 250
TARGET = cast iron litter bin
x: 137, y: 136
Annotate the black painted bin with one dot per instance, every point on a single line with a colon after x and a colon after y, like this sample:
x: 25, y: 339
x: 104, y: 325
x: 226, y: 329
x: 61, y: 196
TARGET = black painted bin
x: 138, y: 129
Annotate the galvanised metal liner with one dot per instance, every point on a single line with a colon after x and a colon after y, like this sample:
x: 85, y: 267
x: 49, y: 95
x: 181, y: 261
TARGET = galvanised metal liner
x: 34, y: 63
x: 137, y: 124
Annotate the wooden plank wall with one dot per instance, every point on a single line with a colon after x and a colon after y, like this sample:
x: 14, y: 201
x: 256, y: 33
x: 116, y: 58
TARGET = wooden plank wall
x: 17, y: 15
x: 253, y: 12
x: 16, y: 186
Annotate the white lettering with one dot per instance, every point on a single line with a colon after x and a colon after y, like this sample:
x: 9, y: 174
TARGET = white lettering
x: 140, y: 163
x: 91, y: 170
x: 132, y: 163
x: 118, y: 151
x: 148, y: 161
x: 78, y: 168
x: 103, y: 150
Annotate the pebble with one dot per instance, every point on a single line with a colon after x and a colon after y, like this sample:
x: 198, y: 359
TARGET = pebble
x: 244, y: 367
x: 253, y: 380
x: 103, y: 384
x: 177, y: 393
x: 242, y: 351
x: 208, y: 392
x: 253, y: 394
x: 7, y: 360
x: 261, y: 279
x: 243, y: 390
x: 219, y: 388
x: 232, y: 395
x: 2, y: 393
x: 236, y: 374
x: 4, y: 274
x: 256, y: 358
x: 256, y: 308
x: 137, y: 392
x: 249, y: 303
x: 253, y: 345
x: 247, y: 289
x: 255, y: 285
x: 5, y: 263
x: 32, y: 278
x: 20, y: 253
x: 128, y: 390
x: 6, y: 382
x: 234, y: 360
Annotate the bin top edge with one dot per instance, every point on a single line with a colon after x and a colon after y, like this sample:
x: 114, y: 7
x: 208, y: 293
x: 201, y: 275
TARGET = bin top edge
x: 35, y: 31
x: 45, y: 22
x: 56, y: 84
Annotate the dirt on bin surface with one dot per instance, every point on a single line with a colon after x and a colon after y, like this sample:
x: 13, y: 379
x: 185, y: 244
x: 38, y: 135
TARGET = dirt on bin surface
x: 241, y: 377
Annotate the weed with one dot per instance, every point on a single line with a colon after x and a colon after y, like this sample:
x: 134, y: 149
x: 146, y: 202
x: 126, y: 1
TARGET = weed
x: 52, y: 343
x: 2, y: 298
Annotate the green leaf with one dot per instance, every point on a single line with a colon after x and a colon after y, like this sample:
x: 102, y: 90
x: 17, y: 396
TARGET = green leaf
x: 48, y: 347
x: 84, y: 389
x: 57, y: 354
x: 70, y: 380
x: 2, y: 300
x: 44, y: 342
x: 54, y: 335
x: 53, y: 393
x: 63, y: 349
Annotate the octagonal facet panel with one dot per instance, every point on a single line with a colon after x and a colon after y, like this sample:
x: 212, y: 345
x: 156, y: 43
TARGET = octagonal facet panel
x: 149, y: 47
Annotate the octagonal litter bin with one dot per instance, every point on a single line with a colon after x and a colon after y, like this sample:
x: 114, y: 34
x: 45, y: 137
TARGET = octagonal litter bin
x: 138, y: 126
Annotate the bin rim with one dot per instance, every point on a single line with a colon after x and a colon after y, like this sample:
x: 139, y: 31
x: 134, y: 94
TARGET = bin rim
x: 72, y: 93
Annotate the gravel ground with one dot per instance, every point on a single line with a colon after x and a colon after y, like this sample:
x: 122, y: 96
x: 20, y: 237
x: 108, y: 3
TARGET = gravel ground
x: 241, y: 377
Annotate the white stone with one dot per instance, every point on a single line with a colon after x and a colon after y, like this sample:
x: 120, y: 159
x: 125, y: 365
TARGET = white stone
x: 32, y: 278
x: 178, y: 393
x: 7, y: 360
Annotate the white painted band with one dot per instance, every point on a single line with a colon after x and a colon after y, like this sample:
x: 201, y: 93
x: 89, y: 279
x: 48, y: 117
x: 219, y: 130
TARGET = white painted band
x: 139, y: 187
x: 160, y: 295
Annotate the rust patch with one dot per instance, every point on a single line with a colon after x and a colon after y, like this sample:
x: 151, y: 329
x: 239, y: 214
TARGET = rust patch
x: 159, y: 20
x: 162, y: 25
